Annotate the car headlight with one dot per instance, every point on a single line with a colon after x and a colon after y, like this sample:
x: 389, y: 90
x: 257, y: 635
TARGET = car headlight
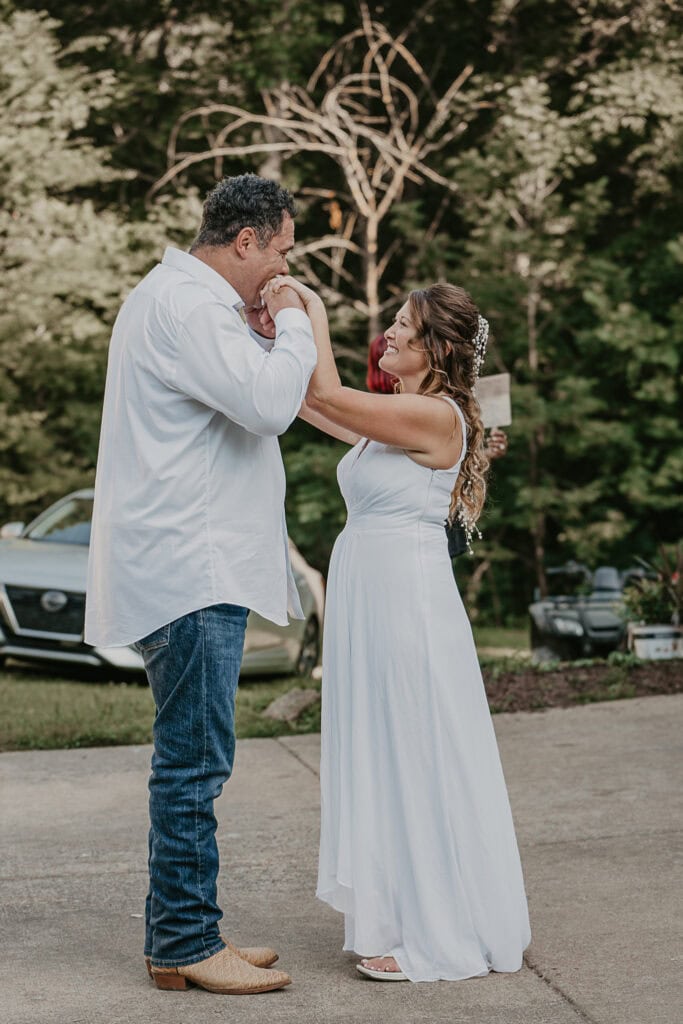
x: 568, y: 627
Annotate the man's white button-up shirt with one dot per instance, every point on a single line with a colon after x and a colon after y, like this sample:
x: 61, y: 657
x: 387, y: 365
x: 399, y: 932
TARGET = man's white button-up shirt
x: 190, y: 485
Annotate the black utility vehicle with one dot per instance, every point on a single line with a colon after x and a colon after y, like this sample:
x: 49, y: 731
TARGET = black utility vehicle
x: 582, y: 615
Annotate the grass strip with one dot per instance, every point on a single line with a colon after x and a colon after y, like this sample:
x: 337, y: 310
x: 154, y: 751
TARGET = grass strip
x: 39, y: 712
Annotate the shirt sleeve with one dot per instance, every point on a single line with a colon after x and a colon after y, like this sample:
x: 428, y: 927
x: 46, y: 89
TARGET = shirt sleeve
x: 265, y: 343
x: 222, y: 366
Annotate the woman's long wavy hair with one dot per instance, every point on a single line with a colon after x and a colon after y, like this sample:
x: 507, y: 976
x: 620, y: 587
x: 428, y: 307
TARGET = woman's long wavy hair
x: 446, y: 321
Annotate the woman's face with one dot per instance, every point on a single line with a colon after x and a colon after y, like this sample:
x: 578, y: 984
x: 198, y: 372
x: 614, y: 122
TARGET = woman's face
x: 404, y: 356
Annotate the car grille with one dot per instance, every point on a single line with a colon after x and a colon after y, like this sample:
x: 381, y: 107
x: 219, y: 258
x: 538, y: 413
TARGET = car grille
x: 30, y: 614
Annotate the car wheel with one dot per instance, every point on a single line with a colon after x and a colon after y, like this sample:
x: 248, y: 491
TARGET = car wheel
x: 309, y: 653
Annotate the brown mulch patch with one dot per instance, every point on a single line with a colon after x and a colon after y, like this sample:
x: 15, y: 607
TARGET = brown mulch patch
x: 529, y: 688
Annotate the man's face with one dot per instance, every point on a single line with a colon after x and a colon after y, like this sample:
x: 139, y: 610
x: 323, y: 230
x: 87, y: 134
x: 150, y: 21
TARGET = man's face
x: 263, y: 264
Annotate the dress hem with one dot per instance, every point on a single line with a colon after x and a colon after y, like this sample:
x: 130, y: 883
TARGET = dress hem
x: 331, y: 897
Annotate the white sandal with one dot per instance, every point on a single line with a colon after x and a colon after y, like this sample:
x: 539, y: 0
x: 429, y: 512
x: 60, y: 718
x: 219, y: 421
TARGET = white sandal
x: 384, y: 975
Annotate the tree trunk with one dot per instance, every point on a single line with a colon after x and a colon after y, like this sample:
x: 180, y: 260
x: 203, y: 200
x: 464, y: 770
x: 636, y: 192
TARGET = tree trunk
x: 536, y: 443
x: 538, y: 521
x: 474, y: 587
x: 495, y: 599
x: 372, y: 278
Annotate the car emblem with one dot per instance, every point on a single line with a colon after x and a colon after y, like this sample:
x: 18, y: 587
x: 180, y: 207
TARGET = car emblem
x: 53, y: 600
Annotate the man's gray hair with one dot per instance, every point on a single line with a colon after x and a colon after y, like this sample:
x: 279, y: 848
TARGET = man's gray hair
x: 243, y: 201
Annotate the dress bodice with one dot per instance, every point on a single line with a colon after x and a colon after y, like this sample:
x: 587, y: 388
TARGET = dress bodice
x: 383, y: 487
x: 381, y: 482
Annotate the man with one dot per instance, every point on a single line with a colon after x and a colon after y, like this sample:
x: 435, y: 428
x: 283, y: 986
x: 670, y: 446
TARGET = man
x: 189, y: 533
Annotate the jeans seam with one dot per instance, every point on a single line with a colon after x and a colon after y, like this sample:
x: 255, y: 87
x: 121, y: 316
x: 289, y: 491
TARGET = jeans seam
x: 200, y: 865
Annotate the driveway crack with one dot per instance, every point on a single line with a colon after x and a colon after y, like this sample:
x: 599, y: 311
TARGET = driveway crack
x: 278, y: 739
x: 542, y: 976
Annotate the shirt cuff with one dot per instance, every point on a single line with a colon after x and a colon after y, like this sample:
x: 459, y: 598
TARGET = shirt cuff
x: 292, y: 317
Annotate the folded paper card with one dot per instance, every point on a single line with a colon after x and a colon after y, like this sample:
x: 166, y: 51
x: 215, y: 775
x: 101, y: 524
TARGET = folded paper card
x: 493, y: 393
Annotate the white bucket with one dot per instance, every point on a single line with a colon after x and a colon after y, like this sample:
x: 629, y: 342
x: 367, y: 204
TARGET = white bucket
x: 655, y: 642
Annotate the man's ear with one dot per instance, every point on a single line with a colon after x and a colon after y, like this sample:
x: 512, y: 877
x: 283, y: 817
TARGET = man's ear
x: 245, y: 240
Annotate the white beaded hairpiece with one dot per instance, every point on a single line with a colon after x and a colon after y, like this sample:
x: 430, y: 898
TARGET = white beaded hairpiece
x: 480, y: 341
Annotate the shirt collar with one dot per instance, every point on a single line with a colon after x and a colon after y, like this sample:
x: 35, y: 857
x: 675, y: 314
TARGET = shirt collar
x: 202, y: 272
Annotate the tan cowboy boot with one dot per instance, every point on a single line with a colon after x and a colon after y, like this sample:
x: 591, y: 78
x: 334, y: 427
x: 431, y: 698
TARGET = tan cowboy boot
x: 224, y: 973
x: 259, y: 956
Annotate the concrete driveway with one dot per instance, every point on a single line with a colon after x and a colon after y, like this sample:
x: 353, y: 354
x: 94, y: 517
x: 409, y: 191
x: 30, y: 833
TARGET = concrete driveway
x: 597, y: 794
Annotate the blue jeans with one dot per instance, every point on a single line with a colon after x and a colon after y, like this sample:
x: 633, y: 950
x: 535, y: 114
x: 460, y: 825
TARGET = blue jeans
x: 193, y: 668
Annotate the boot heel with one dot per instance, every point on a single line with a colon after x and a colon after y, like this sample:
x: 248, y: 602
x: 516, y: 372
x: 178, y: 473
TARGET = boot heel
x: 170, y: 982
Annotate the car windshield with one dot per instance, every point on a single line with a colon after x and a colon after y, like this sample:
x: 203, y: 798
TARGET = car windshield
x: 67, y: 523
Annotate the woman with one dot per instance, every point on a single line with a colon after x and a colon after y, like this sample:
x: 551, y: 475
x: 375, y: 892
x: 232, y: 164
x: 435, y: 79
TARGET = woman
x: 417, y: 844
x: 380, y: 383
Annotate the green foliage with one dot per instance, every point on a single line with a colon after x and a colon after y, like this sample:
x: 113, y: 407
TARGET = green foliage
x: 64, y: 264
x: 646, y: 601
x: 278, y: 42
x: 67, y: 264
x: 571, y: 245
x: 170, y: 58
x: 658, y: 598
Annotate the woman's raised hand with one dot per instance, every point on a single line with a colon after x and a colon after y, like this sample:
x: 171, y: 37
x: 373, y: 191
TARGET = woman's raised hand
x: 496, y: 443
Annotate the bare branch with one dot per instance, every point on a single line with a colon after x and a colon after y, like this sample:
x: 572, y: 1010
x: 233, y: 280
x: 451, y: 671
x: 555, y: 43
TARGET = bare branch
x: 431, y: 231
x: 232, y: 151
x: 443, y: 106
x: 392, y: 249
x: 329, y: 262
x: 326, y: 242
x: 434, y: 147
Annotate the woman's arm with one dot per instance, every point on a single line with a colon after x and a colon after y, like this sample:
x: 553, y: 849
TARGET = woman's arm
x: 316, y: 419
x: 418, y: 423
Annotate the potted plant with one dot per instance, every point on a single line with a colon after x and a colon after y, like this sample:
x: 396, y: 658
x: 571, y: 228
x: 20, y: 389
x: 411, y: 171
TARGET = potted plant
x: 653, y: 605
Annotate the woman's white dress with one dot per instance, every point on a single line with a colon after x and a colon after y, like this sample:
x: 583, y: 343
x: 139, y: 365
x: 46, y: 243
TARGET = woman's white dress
x: 417, y: 844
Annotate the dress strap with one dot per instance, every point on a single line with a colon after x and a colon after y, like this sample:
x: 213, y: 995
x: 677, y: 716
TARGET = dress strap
x: 463, y: 424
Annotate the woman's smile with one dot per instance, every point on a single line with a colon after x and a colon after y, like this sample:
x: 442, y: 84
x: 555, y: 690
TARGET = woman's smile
x: 404, y: 357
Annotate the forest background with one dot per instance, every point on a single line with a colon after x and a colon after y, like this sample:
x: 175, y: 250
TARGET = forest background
x: 529, y: 151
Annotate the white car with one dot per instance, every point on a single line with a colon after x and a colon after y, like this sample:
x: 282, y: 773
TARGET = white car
x: 43, y: 572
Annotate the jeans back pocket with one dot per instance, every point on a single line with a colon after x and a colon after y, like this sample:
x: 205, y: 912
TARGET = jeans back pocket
x: 157, y: 638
